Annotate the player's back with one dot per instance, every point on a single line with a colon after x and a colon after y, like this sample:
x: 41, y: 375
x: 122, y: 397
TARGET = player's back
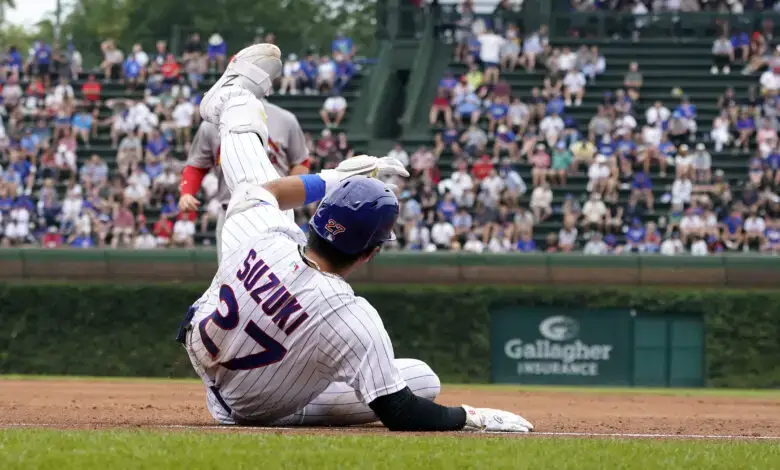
x: 273, y: 342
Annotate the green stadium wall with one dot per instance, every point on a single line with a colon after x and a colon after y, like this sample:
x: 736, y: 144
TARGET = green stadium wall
x: 128, y: 329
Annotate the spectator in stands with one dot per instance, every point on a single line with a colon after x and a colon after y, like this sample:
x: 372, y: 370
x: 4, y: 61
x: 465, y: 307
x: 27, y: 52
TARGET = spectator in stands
x: 326, y: 74
x: 551, y: 128
x: 13, y: 64
x: 447, y: 139
x: 163, y: 230
x: 12, y: 93
x: 83, y: 126
x: 541, y: 202
x: 770, y: 81
x: 591, y: 62
x: 490, y: 54
x: 184, y: 230
x: 642, y: 189
x: 170, y: 70
x: 399, y: 154
x: 333, y: 110
x: 533, y: 47
x: 183, y: 116
x: 217, y: 52
x: 137, y: 190
x: 574, y: 86
x: 474, y: 141
x: 290, y: 75
x: 746, y: 128
x: 326, y: 145
x: 633, y: 81
x: 94, y: 172
x: 722, y: 55
x: 422, y: 160
x: 345, y: 70
x: 112, y: 60
x: 91, y: 90
x: 343, y: 45
x: 702, y: 165
x: 39, y: 64
x: 124, y: 227
x: 441, y: 106
x: 505, y: 141
x: 510, y: 49
x: 129, y: 154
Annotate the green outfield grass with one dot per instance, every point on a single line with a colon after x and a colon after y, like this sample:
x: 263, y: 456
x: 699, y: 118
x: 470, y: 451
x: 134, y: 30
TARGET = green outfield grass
x: 102, y: 450
x: 724, y: 392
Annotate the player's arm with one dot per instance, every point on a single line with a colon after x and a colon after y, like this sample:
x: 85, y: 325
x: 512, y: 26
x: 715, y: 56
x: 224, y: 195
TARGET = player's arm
x: 199, y: 161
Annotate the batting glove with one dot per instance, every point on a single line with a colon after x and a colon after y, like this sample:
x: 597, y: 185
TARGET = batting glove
x: 490, y: 420
x: 364, y: 165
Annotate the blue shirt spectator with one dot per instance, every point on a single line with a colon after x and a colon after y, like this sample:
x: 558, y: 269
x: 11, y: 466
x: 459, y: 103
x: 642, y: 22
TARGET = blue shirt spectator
x: 467, y: 104
x: 448, y: 82
x: 22, y: 168
x: 14, y: 58
x: 6, y: 204
x: 153, y: 168
x: 217, y: 46
x: 745, y: 123
x: 526, y: 246
x: 131, y: 67
x: 667, y: 148
x: 342, y: 45
x: 169, y: 208
x: 449, y: 135
x: 687, y: 110
x: 29, y: 142
x: 642, y: 181
x: 733, y: 222
x: 474, y: 47
x: 447, y: 209
x: 157, y: 145
x: 82, y: 120
x: 498, y: 110
x: 606, y: 147
x: 309, y: 67
x: 556, y: 105
x: 739, y: 40
x: 505, y: 135
x: 42, y: 54
x: 82, y: 241
x: 624, y: 146
x: 636, y: 233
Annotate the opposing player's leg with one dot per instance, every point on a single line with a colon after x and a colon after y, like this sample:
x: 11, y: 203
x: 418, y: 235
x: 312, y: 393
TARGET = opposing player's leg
x: 339, y: 405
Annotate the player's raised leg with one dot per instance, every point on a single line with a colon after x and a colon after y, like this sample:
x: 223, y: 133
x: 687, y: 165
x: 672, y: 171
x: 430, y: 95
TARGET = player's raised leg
x: 339, y: 405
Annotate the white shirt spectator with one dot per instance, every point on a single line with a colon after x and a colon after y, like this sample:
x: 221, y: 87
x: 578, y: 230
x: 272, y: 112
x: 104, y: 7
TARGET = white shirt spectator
x: 326, y: 70
x: 533, y: 44
x: 595, y: 247
x: 334, y: 104
x: 514, y: 182
x: 499, y: 245
x: 442, y: 233
x: 702, y: 160
x: 651, y: 135
x: 167, y: 178
x: 141, y: 57
x: 136, y: 192
x: 419, y: 235
x: 594, y: 210
x: 574, y: 81
x: 551, y: 125
x: 181, y: 91
x: 683, y: 161
x: 145, y: 241
x: 541, y: 197
x: 567, y: 61
x: 493, y: 185
x: 754, y: 225
x: 699, y: 248
x: 490, y: 47
x: 672, y: 246
x: 139, y: 178
x: 183, y: 229
x: 183, y: 113
x: 567, y: 236
x: 655, y: 115
x: 18, y: 223
x: 291, y: 68
x: 681, y: 191
x: 474, y: 245
x: 461, y: 182
x: 625, y: 124
x: 769, y: 81
x: 597, y: 171
x: 63, y: 91
x: 691, y: 223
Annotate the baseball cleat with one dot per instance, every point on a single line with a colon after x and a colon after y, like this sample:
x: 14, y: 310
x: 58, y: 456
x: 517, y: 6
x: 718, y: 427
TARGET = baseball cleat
x: 254, y: 69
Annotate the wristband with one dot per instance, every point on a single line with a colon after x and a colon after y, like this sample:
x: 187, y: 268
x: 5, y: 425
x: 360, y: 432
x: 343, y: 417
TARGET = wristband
x: 314, y: 186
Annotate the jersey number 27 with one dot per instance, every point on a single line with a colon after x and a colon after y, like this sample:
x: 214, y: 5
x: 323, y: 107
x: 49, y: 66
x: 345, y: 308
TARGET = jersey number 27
x: 274, y: 351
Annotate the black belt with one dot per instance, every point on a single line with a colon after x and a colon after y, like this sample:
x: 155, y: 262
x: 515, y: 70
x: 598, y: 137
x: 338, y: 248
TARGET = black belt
x: 224, y: 207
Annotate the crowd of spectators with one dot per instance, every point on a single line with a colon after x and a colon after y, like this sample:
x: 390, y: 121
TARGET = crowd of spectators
x: 50, y: 197
x: 492, y: 135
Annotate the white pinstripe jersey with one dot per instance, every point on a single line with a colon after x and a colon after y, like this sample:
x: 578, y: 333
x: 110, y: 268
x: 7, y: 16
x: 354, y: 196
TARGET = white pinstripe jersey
x: 273, y: 333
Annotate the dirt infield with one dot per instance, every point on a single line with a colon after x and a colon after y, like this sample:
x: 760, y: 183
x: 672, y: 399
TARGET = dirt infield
x: 106, y: 404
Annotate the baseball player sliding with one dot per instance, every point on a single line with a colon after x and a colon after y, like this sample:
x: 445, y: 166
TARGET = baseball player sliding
x: 279, y: 337
x: 286, y: 149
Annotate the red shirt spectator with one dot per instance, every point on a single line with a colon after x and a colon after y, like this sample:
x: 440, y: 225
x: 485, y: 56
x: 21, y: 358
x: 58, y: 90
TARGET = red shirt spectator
x: 170, y: 69
x: 36, y: 88
x: 163, y: 229
x: 52, y: 239
x: 186, y: 215
x: 91, y: 89
x: 482, y: 167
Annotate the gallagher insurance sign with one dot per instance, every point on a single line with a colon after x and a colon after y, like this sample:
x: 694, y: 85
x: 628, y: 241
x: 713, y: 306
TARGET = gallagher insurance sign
x: 560, y: 346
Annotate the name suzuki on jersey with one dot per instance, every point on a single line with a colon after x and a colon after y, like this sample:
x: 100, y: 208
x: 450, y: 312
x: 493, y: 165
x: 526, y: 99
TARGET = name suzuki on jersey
x: 273, y: 297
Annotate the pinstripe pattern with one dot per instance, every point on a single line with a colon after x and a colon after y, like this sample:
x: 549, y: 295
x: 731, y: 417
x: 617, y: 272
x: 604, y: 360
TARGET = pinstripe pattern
x: 339, y: 358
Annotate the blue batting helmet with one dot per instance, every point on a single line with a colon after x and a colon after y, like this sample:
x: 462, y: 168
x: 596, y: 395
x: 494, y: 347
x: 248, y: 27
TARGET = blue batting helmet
x: 358, y: 214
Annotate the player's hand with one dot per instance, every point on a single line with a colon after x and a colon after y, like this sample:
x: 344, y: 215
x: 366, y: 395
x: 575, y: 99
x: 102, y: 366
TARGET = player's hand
x: 187, y: 202
x: 372, y: 166
x: 490, y: 420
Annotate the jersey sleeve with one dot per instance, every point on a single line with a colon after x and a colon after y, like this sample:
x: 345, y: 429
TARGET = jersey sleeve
x: 254, y: 212
x: 356, y: 342
x: 205, y: 145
